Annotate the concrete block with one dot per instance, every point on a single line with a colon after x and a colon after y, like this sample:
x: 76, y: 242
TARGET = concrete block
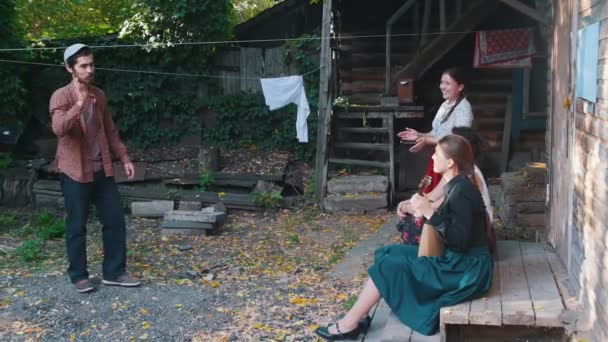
x: 530, y: 220
x: 191, y: 232
x: 186, y: 225
x: 194, y: 216
x: 356, y: 202
x: 535, y: 172
x: 531, y: 207
x: 151, y: 209
x: 357, y: 184
x: 512, y: 181
x: 526, y: 194
x: 189, y: 205
x: 218, y: 207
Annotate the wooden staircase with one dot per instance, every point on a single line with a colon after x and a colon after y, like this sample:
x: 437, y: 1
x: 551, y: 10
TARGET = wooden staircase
x: 488, y: 92
x: 365, y: 137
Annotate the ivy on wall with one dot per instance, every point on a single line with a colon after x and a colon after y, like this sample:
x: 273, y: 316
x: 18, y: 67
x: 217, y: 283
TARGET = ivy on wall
x: 243, y: 120
x: 12, y: 90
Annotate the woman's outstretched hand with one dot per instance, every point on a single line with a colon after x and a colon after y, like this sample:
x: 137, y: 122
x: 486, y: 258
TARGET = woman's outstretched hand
x: 408, y: 134
x: 420, y: 144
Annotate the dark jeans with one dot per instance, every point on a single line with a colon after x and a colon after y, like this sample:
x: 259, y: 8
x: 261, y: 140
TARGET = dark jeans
x: 103, y: 192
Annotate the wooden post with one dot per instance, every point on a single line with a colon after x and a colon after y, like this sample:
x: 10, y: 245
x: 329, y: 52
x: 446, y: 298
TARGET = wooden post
x: 209, y: 159
x: 442, y: 15
x: 391, y: 142
x: 506, y: 137
x: 426, y: 21
x: 324, y: 104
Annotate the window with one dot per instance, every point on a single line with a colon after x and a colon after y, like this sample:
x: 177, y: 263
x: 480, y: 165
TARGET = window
x: 587, y: 61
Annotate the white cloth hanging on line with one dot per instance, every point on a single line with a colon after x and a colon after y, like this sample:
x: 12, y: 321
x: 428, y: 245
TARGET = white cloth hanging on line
x: 281, y: 91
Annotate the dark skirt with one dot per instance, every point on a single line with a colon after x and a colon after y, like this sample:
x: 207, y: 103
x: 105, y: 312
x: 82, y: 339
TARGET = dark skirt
x: 417, y: 288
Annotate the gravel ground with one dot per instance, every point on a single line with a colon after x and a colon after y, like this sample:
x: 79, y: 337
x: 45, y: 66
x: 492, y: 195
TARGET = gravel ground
x: 262, y: 277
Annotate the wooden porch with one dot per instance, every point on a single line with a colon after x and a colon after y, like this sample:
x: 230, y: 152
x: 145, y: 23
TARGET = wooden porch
x: 525, y: 303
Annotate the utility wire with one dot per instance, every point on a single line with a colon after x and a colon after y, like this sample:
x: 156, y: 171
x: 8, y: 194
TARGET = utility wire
x: 218, y: 42
x: 149, y: 72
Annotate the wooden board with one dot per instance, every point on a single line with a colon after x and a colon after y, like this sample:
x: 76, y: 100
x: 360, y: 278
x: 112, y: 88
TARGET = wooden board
x: 516, y: 302
x: 456, y: 314
x: 487, y: 310
x: 547, y: 303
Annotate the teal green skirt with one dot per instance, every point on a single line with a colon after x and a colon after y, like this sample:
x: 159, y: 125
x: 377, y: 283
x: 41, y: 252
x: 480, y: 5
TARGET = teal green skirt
x: 417, y: 288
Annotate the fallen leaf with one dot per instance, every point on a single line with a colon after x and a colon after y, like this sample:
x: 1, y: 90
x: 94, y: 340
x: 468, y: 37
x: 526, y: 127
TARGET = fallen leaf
x: 144, y: 311
x: 146, y: 325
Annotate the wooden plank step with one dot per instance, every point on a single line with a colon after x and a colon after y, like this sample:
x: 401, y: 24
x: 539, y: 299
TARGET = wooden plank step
x: 373, y: 59
x: 364, y: 130
x: 514, y: 287
x: 365, y: 73
x: 362, y: 146
x: 385, y: 165
x: 487, y: 310
x: 490, y: 84
x: 379, y: 115
x: 361, y: 86
x: 547, y: 303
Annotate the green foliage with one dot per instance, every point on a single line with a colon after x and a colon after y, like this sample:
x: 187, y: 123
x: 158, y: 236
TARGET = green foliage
x: 309, y: 186
x: 205, y: 180
x: 294, y: 238
x: 7, y: 221
x: 51, y: 19
x: 5, y: 160
x: 30, y: 250
x: 266, y: 199
x: 341, y: 103
x: 246, y: 121
x: 48, y: 227
x: 12, y: 90
x: 153, y: 109
x: 247, y: 9
x: 349, y: 303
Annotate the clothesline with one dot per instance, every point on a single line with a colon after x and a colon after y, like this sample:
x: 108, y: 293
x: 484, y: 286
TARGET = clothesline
x: 154, y: 72
x: 218, y: 42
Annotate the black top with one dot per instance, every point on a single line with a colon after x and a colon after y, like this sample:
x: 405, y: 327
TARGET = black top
x: 460, y: 219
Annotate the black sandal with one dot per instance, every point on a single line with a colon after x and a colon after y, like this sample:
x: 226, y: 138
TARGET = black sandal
x: 324, y: 333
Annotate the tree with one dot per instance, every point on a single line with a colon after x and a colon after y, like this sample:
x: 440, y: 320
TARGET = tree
x: 247, y: 9
x: 52, y: 19
x: 12, y: 92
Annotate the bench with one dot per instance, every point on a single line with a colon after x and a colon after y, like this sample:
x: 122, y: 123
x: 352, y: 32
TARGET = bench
x: 524, y: 301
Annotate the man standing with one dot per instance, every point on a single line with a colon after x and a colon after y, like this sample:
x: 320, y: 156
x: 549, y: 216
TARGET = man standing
x: 86, y: 138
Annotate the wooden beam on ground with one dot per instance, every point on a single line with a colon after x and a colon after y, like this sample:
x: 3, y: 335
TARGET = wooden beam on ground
x: 527, y: 10
x: 324, y: 105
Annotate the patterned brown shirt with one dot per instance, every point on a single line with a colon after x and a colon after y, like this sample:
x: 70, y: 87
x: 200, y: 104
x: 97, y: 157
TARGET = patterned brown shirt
x: 73, y: 155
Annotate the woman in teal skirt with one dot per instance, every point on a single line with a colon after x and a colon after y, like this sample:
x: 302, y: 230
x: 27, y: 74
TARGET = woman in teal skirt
x: 415, y: 288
